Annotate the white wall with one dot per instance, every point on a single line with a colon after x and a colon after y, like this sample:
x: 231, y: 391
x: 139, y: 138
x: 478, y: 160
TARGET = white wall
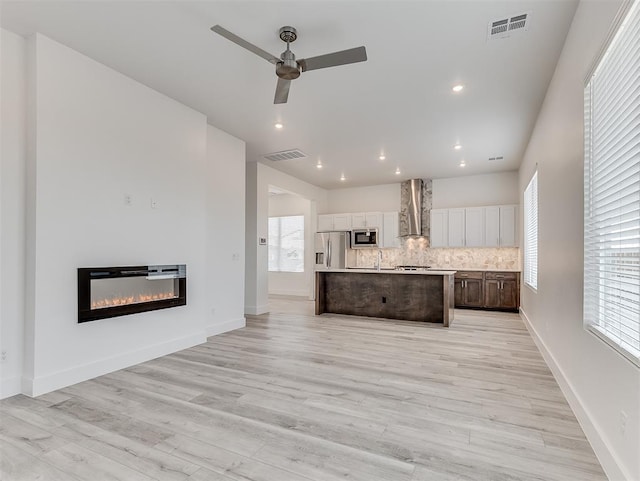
x: 471, y: 191
x: 292, y: 283
x: 377, y: 198
x: 93, y: 137
x: 598, y: 382
x: 259, y: 178
x: 98, y: 137
x: 12, y: 201
x: 225, y: 180
x: 476, y: 190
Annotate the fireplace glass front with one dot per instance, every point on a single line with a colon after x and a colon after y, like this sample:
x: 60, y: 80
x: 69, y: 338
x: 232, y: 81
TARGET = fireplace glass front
x: 117, y: 291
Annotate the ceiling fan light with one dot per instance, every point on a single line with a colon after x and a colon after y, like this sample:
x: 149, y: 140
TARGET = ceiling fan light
x: 288, y: 70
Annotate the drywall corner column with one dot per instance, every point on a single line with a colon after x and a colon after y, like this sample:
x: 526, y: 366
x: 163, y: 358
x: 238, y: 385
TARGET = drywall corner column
x: 225, y: 232
x: 12, y: 214
x: 29, y: 332
x: 256, y: 215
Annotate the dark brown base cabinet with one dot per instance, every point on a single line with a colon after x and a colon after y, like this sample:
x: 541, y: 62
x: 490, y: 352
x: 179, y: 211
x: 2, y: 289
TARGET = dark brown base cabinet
x: 487, y: 290
x: 469, y: 289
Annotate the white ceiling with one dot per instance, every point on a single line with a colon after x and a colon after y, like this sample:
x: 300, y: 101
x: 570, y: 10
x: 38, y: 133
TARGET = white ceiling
x: 398, y: 103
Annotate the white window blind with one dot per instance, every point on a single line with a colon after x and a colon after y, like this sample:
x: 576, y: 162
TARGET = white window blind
x: 612, y: 192
x: 531, y: 232
x: 286, y: 244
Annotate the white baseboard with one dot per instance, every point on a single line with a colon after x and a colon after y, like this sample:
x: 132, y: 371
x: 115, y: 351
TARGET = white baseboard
x: 226, y: 326
x: 10, y: 387
x: 60, y: 379
x: 256, y: 310
x: 290, y: 292
x: 609, y: 461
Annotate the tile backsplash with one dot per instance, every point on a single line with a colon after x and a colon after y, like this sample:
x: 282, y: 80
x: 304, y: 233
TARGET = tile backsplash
x: 414, y: 252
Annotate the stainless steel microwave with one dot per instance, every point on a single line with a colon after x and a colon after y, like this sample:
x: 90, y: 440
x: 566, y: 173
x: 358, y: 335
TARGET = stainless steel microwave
x: 364, y: 238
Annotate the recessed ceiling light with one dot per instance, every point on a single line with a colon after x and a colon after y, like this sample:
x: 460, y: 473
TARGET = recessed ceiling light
x: 319, y: 165
x: 398, y: 171
x: 457, y: 88
x: 343, y: 178
x: 457, y: 146
x: 278, y: 125
x: 463, y: 163
x: 382, y: 157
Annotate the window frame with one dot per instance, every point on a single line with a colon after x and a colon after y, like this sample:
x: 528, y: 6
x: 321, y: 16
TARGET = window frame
x: 278, y: 245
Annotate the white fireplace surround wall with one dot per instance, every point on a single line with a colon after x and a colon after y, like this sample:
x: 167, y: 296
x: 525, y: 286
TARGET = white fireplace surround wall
x: 94, y: 137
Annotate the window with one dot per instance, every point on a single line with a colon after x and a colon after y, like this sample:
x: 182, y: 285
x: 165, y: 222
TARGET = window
x: 286, y: 244
x: 531, y: 232
x: 612, y: 192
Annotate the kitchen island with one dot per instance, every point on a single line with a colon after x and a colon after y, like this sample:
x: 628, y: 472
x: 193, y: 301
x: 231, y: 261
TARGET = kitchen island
x: 425, y: 295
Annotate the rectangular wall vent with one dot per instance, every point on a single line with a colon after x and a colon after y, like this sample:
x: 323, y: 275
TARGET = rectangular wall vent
x: 504, y: 27
x: 285, y: 155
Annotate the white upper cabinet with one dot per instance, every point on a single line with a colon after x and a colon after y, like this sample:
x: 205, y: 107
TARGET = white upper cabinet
x: 474, y: 227
x: 328, y: 222
x: 325, y: 222
x: 509, y: 225
x: 387, y: 224
x: 494, y: 226
x: 456, y: 228
x: 364, y: 220
x: 439, y: 228
x: 501, y: 226
x: 342, y: 222
x: 390, y: 230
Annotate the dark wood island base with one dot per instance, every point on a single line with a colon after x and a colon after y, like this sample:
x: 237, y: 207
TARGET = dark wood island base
x: 410, y: 296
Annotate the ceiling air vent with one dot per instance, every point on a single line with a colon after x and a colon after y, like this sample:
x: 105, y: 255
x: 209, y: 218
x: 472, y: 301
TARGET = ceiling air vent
x: 286, y: 155
x: 497, y: 158
x: 504, y: 27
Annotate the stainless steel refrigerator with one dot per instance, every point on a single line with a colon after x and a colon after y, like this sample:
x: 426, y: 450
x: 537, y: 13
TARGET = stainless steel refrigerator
x: 333, y: 250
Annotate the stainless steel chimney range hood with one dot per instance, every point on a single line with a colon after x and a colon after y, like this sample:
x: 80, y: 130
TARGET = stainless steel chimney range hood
x: 415, y: 207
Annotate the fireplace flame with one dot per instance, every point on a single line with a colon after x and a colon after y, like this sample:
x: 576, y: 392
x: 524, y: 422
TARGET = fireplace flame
x: 126, y: 300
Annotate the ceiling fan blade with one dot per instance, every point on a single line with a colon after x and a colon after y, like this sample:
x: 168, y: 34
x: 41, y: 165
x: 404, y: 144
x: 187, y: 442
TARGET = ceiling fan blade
x: 243, y: 43
x: 282, y: 91
x: 352, y: 55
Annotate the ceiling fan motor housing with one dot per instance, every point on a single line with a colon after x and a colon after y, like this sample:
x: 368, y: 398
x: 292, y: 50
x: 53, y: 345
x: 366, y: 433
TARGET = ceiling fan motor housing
x: 288, y: 68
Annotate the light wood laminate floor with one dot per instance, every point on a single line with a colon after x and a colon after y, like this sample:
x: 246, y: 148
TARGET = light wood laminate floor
x: 299, y: 397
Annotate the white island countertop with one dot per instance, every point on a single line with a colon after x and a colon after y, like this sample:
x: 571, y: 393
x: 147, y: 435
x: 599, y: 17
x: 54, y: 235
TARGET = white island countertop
x: 360, y: 270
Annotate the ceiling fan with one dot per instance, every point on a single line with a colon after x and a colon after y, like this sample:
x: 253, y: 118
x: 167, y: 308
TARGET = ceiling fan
x: 287, y: 67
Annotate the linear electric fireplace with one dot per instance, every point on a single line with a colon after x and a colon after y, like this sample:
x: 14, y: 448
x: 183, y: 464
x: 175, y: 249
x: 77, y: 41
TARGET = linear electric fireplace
x: 118, y: 291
